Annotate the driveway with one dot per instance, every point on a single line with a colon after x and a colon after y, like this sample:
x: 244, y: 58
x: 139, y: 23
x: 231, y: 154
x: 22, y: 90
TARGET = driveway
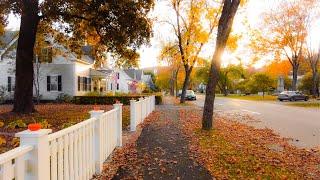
x: 300, y: 124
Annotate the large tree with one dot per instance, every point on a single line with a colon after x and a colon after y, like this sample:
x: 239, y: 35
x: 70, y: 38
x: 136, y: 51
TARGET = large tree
x: 285, y: 32
x: 191, y: 18
x: 229, y: 10
x: 120, y: 26
x: 170, y: 55
x: 313, y: 59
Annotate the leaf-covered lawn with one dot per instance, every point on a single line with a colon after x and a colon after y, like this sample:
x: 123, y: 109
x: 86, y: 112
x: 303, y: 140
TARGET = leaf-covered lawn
x: 251, y: 97
x: 53, y: 116
x: 312, y: 104
x: 237, y: 151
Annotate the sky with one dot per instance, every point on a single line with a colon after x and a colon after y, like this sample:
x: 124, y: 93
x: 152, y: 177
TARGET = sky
x: 163, y: 32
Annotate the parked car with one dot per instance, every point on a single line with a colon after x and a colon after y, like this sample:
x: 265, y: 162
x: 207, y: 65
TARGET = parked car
x: 292, y: 96
x: 190, y: 95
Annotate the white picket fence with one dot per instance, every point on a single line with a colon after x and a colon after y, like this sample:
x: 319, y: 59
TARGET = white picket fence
x: 139, y: 110
x: 74, y: 153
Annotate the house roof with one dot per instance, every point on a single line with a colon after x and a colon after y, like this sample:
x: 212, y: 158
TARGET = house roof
x: 106, y: 71
x: 134, y: 73
x: 6, y: 38
x: 96, y: 73
x: 86, y: 56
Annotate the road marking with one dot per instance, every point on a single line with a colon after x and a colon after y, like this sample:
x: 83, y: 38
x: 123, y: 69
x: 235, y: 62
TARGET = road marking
x: 219, y: 104
x: 253, y: 112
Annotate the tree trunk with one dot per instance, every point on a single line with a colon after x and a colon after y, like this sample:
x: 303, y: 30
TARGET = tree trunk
x: 185, y: 84
x: 224, y: 27
x: 24, y: 61
x: 172, y: 86
x: 210, y: 91
x: 176, y: 82
x: 315, y: 82
x: 295, y: 68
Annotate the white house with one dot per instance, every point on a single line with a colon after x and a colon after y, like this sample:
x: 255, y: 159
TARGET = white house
x: 129, y: 76
x: 61, y: 71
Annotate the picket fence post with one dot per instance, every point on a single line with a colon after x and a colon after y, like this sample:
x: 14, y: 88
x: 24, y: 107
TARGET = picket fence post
x: 141, y: 109
x: 133, y: 115
x: 98, y: 156
x: 118, y: 106
x: 39, y: 156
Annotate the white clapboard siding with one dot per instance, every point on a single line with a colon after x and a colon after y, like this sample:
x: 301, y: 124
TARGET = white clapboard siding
x: 13, y: 163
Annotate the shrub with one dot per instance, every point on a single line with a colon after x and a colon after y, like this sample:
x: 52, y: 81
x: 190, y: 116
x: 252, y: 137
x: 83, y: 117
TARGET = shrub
x: 68, y: 124
x: 17, y: 124
x: 2, y: 94
x: 45, y: 124
x: 94, y: 93
x: 64, y: 98
x: 109, y: 100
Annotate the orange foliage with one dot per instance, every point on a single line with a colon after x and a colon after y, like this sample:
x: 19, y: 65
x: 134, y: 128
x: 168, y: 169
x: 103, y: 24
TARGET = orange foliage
x: 278, y: 68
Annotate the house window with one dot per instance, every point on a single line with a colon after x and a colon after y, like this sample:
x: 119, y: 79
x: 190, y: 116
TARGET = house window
x: 84, y: 84
x: 117, y: 86
x: 103, y: 86
x: 118, y: 75
x: 54, y: 83
x: 89, y: 84
x: 111, y: 86
x: 11, y: 84
x: 46, y: 55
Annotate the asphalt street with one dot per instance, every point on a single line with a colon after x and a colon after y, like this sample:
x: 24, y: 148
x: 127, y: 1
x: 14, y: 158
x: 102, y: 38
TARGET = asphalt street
x: 300, y: 124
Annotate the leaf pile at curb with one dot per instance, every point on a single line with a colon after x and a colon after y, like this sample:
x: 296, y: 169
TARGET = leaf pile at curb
x: 237, y: 151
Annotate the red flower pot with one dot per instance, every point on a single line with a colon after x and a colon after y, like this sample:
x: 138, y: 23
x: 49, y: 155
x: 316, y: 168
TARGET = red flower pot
x: 34, y: 127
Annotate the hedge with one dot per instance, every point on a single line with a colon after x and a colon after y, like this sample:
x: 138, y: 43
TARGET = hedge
x: 109, y: 100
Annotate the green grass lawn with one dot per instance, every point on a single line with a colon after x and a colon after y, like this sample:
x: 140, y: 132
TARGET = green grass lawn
x: 250, y: 97
x: 312, y: 104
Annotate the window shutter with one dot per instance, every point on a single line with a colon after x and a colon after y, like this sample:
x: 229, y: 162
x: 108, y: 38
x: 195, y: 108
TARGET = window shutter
x: 59, y: 83
x: 84, y: 84
x: 9, y: 84
x: 50, y: 54
x: 90, y: 84
x: 48, y: 83
x: 79, y: 83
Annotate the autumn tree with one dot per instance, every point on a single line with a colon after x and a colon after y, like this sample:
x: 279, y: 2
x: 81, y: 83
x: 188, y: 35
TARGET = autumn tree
x: 227, y: 75
x: 170, y: 56
x: 190, y: 19
x: 229, y: 10
x: 278, y: 68
x: 120, y: 26
x: 285, y: 31
x: 261, y: 82
x: 313, y: 60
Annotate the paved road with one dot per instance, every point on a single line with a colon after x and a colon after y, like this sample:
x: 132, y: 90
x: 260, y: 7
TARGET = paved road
x: 301, y: 124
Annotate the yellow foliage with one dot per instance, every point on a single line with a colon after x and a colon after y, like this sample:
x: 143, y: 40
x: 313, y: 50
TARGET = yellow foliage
x: 2, y: 140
